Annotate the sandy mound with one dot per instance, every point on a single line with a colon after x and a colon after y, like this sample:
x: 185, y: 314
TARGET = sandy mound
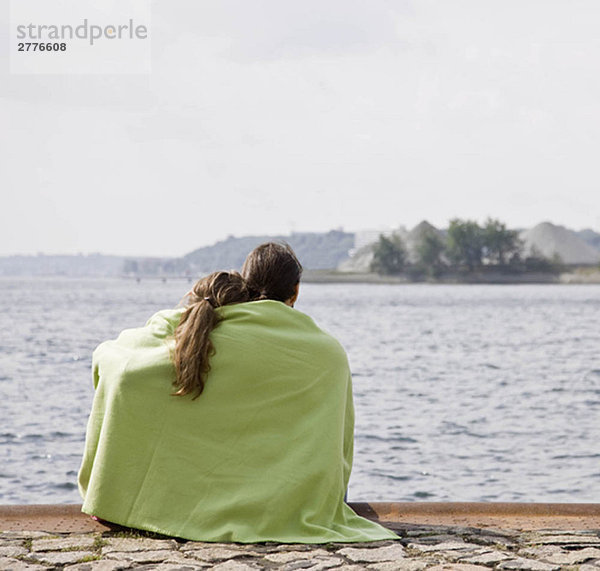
x: 591, y: 237
x: 413, y: 239
x: 548, y: 239
x: 360, y: 261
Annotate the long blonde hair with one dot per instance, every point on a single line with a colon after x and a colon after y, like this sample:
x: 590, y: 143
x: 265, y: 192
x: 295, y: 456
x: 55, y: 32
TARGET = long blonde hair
x: 193, y: 347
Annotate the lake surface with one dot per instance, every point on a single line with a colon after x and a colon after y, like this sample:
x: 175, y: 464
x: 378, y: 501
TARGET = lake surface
x: 463, y: 393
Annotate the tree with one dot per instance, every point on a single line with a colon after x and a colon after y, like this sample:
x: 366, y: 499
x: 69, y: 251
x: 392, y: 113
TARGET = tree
x: 537, y: 262
x: 499, y: 244
x: 465, y: 243
x: 429, y: 250
x: 389, y: 255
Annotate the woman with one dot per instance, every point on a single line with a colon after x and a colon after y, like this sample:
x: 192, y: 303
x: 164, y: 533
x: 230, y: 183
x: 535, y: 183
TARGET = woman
x: 255, y: 442
x: 193, y: 346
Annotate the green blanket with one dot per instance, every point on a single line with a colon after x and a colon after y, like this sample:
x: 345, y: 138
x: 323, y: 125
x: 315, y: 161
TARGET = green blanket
x: 264, y: 454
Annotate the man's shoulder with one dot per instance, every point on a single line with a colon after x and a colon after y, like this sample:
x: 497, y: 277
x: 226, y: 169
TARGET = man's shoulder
x: 275, y: 321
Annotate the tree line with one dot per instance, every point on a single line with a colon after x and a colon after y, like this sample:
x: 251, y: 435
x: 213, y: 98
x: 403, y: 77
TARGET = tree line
x: 466, y: 247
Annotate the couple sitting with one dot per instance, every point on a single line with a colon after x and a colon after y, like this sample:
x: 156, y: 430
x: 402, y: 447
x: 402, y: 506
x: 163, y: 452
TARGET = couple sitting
x: 228, y: 420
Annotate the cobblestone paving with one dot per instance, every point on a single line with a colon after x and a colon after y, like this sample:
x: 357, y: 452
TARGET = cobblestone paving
x: 420, y: 547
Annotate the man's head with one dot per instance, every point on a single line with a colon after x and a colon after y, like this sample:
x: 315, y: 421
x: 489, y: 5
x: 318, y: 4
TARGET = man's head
x: 273, y: 271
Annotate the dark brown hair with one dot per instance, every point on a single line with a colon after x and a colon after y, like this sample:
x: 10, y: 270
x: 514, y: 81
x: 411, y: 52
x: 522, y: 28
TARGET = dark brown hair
x: 272, y: 271
x: 193, y: 346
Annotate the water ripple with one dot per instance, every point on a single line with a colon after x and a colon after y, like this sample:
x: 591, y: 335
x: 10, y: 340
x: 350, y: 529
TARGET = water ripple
x: 466, y: 393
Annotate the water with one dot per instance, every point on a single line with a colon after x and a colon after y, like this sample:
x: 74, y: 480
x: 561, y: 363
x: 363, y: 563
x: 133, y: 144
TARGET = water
x: 464, y: 393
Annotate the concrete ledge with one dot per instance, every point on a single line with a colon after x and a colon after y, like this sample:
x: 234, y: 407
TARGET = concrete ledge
x: 501, y: 515
x: 395, y: 515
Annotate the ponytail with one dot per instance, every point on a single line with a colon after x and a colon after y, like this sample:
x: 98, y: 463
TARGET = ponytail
x: 193, y: 347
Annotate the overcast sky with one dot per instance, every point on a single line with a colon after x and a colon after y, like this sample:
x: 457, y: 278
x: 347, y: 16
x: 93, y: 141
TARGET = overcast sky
x: 271, y: 116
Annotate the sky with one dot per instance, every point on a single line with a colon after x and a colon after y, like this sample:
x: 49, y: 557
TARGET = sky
x: 278, y: 116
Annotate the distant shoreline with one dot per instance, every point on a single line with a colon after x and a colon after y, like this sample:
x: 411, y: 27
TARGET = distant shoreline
x: 579, y: 276
x: 334, y: 276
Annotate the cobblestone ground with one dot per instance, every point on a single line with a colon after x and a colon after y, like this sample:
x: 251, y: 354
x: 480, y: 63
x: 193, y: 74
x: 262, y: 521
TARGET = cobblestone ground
x: 420, y: 547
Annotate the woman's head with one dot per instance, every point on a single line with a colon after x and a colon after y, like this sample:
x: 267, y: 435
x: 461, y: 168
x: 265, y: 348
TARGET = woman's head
x: 193, y: 346
x: 272, y: 271
x: 219, y: 288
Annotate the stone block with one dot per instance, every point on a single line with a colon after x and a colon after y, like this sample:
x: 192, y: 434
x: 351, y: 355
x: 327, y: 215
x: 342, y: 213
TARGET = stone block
x: 196, y: 545
x: 316, y: 564
x: 287, y: 556
x: 10, y: 564
x: 187, y: 566
x: 24, y: 534
x: 489, y: 539
x: 398, y: 565
x: 60, y: 557
x: 446, y: 546
x: 520, y: 563
x: 72, y: 541
x: 233, y: 565
x: 151, y: 556
x: 100, y: 565
x: 361, y: 555
x: 178, y: 558
x: 571, y: 539
x: 457, y: 567
x: 431, y: 539
x: 218, y: 553
x: 132, y: 544
x: 12, y: 550
x: 487, y: 558
x: 554, y: 554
